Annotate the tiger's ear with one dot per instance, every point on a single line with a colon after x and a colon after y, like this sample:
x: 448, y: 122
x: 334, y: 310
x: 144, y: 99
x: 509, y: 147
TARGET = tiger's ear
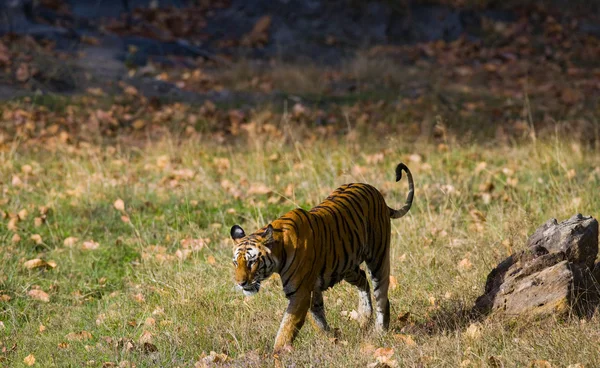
x: 237, y: 233
x: 268, y: 235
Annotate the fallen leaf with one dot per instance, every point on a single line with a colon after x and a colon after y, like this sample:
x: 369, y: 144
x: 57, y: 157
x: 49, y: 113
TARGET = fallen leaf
x: 37, y: 238
x: 38, y: 263
x: 16, y: 238
x: 139, y: 297
x: 211, y: 359
x: 119, y: 205
x: 383, y: 352
x: 12, y: 224
x: 29, y: 360
x: 38, y: 294
x: 90, y: 245
x: 138, y: 124
x: 193, y: 244
x: 393, y: 282
x: 22, y: 214
x: 464, y: 264
x: 70, y: 241
x: 16, y: 181
x: 41, y: 328
x: 211, y: 260
x: 145, y: 337
x: 406, y: 339
x: 474, y: 331
x: 539, y: 363
x: 79, y: 336
x: 63, y: 345
x: 259, y: 189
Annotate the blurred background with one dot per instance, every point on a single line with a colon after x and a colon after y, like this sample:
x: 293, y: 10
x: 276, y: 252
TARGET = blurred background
x: 492, y: 69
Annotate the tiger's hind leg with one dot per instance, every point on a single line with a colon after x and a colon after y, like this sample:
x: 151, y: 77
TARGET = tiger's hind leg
x: 317, y: 310
x: 379, y: 270
x: 358, y: 278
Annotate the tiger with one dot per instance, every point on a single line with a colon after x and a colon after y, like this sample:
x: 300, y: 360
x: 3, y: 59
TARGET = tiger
x: 314, y: 250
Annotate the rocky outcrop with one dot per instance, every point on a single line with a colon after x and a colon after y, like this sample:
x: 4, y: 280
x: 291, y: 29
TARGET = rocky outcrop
x: 553, y: 276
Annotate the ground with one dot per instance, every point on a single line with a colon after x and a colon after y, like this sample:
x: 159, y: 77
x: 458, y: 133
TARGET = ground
x: 131, y: 233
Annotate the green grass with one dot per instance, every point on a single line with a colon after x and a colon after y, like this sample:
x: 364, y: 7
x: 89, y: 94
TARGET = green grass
x: 134, y: 288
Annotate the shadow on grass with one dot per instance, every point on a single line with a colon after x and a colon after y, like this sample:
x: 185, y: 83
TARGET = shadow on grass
x: 453, y: 315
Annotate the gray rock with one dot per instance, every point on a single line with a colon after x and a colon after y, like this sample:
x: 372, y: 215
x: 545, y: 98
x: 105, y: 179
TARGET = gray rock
x: 576, y: 237
x: 552, y: 277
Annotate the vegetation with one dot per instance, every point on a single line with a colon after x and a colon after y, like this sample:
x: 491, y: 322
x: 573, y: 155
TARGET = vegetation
x: 115, y: 251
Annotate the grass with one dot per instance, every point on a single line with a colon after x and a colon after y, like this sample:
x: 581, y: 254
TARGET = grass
x: 148, y: 297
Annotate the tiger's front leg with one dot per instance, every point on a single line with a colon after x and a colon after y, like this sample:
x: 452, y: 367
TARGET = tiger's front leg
x: 292, y: 321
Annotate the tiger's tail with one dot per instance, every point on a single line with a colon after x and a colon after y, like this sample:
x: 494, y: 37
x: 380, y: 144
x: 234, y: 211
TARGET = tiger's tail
x: 411, y: 191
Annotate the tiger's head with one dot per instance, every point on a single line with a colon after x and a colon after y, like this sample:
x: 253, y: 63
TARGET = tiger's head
x: 252, y: 258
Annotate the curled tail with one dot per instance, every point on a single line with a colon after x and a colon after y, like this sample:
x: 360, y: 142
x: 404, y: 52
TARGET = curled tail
x: 411, y: 191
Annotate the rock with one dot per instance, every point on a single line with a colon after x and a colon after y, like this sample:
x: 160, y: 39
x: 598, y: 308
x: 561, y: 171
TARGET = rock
x: 552, y: 277
x: 576, y: 237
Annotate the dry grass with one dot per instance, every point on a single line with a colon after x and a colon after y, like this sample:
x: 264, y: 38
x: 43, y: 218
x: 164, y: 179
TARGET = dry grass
x: 143, y: 284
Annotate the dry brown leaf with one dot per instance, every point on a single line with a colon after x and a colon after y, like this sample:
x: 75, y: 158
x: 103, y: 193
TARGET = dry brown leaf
x: 406, y: 339
x: 63, y: 345
x: 37, y: 238
x: 22, y: 214
x: 139, y: 297
x: 383, y: 352
x: 211, y: 260
x: 29, y: 360
x: 38, y: 294
x: 540, y: 363
x: 193, y: 244
x: 211, y: 359
x: 119, y: 205
x: 79, y: 336
x: 90, y: 245
x: 41, y: 328
x: 16, y: 238
x: 12, y: 224
x: 138, y: 124
x: 38, y: 263
x: 70, y: 242
x: 393, y: 282
x: 222, y: 164
x: 146, y: 337
x: 474, y: 331
x: 258, y: 188
x: 464, y: 264
x: 16, y: 181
